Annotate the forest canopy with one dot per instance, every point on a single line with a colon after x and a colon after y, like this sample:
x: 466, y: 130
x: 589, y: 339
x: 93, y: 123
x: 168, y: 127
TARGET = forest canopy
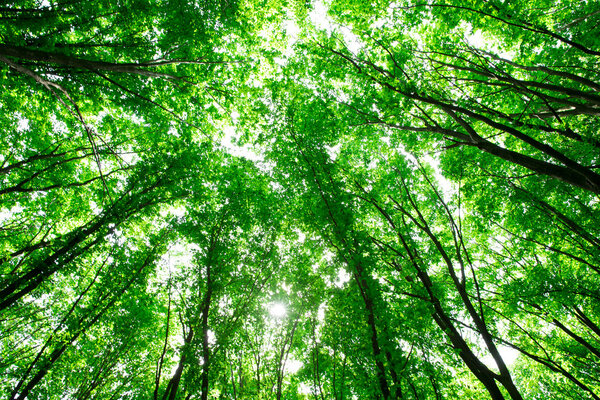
x: 300, y: 200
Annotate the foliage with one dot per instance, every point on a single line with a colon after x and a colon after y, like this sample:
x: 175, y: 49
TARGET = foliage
x: 257, y: 200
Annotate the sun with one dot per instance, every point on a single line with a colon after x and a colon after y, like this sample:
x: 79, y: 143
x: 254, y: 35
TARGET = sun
x: 277, y: 310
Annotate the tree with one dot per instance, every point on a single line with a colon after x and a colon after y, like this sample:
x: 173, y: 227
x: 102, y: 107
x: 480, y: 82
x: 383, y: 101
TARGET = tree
x: 245, y: 200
